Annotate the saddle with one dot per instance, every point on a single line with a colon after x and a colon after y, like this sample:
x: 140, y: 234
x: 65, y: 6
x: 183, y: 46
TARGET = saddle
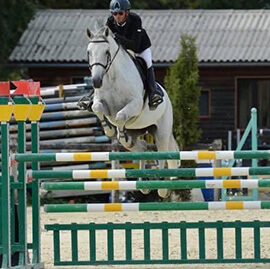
x: 142, y: 68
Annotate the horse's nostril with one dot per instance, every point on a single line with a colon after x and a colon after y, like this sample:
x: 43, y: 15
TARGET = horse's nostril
x: 97, y: 82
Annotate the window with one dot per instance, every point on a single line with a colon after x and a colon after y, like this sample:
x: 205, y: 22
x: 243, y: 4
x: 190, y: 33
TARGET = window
x: 204, y: 103
x: 253, y: 93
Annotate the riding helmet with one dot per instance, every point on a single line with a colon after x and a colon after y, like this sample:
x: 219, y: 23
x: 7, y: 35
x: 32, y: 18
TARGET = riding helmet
x: 119, y: 5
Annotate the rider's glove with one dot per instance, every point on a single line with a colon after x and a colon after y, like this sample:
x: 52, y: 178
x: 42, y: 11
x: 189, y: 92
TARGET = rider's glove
x: 119, y: 38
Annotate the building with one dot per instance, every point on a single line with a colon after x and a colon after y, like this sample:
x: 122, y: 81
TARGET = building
x: 233, y: 54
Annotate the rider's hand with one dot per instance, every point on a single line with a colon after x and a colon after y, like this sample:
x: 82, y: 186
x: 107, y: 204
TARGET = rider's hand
x: 119, y: 38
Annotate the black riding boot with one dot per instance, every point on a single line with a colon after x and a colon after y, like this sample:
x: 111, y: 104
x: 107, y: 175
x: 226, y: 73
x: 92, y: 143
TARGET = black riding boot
x: 86, y: 102
x: 154, y: 96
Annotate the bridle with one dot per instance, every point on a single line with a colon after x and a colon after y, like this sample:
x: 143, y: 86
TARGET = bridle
x: 109, y: 58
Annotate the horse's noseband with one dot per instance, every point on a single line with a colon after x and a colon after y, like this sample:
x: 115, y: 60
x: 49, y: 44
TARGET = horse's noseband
x: 109, y: 58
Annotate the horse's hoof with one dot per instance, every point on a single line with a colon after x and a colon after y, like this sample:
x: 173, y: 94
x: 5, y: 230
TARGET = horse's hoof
x: 111, y: 133
x: 164, y: 193
x: 145, y: 191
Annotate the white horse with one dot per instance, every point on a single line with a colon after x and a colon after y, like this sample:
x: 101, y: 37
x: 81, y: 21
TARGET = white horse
x: 119, y: 99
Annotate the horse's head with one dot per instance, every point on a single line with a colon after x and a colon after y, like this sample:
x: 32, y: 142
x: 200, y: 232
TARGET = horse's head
x: 99, y: 55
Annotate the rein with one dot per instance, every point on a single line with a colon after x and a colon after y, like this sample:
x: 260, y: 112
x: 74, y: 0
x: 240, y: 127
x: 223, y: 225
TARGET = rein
x: 109, y: 58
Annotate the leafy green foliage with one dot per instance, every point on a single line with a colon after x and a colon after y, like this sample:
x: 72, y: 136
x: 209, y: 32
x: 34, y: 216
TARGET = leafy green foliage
x: 165, y: 4
x: 239, y: 4
x: 74, y: 4
x: 181, y: 84
x: 15, y: 15
x: 200, y: 4
x: 155, y: 4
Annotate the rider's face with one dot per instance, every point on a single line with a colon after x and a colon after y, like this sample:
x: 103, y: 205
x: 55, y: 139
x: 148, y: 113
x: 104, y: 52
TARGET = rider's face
x: 120, y: 17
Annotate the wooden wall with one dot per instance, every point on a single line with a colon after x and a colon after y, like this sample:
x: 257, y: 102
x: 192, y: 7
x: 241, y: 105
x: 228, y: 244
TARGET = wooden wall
x: 55, y: 76
x: 220, y: 81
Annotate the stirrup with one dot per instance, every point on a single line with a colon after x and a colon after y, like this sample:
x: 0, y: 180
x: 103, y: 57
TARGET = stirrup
x: 85, y: 103
x: 154, y: 101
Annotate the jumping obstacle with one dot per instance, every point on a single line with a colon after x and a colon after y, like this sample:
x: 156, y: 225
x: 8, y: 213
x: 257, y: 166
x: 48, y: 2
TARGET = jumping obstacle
x: 8, y: 246
x: 182, y: 229
x: 25, y: 103
x: 252, y: 130
x: 135, y: 173
x: 110, y: 156
x: 152, y: 185
x: 119, y: 207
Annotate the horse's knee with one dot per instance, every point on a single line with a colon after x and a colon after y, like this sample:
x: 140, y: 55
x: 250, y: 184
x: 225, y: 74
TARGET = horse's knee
x: 121, y: 118
x: 97, y: 107
x: 109, y: 130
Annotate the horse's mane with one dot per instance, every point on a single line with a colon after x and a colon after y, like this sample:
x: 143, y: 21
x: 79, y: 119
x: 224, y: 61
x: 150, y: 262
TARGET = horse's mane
x: 98, y: 31
x: 99, y: 27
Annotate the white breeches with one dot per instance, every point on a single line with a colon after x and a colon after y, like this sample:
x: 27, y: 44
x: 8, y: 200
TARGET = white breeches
x: 147, y: 56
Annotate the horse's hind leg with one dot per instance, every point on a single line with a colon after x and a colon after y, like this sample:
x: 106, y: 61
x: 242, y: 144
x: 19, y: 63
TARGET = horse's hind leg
x: 173, y: 146
x: 142, y: 166
x: 134, y: 144
x: 166, y: 142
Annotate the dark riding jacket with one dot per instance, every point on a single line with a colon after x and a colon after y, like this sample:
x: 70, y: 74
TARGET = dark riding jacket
x: 136, y: 38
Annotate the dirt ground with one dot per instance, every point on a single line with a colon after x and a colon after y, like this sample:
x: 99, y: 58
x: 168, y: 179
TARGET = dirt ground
x: 174, y: 252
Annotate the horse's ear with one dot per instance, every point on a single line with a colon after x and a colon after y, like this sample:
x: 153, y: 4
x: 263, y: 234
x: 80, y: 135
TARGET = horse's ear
x: 106, y: 31
x: 88, y: 32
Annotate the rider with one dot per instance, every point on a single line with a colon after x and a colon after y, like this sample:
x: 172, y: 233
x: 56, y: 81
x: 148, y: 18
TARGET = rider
x: 128, y: 31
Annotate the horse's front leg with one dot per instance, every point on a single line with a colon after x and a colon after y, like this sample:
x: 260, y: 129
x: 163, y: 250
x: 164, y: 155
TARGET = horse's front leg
x: 99, y: 108
x: 132, y: 109
x: 126, y: 140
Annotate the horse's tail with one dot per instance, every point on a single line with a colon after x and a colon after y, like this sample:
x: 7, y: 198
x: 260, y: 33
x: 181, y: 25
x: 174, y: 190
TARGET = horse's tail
x: 174, y: 143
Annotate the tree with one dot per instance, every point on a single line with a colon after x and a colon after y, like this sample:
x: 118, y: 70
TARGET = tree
x: 231, y: 4
x: 181, y: 84
x: 15, y: 15
x: 200, y: 4
x: 74, y: 4
x: 165, y: 4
